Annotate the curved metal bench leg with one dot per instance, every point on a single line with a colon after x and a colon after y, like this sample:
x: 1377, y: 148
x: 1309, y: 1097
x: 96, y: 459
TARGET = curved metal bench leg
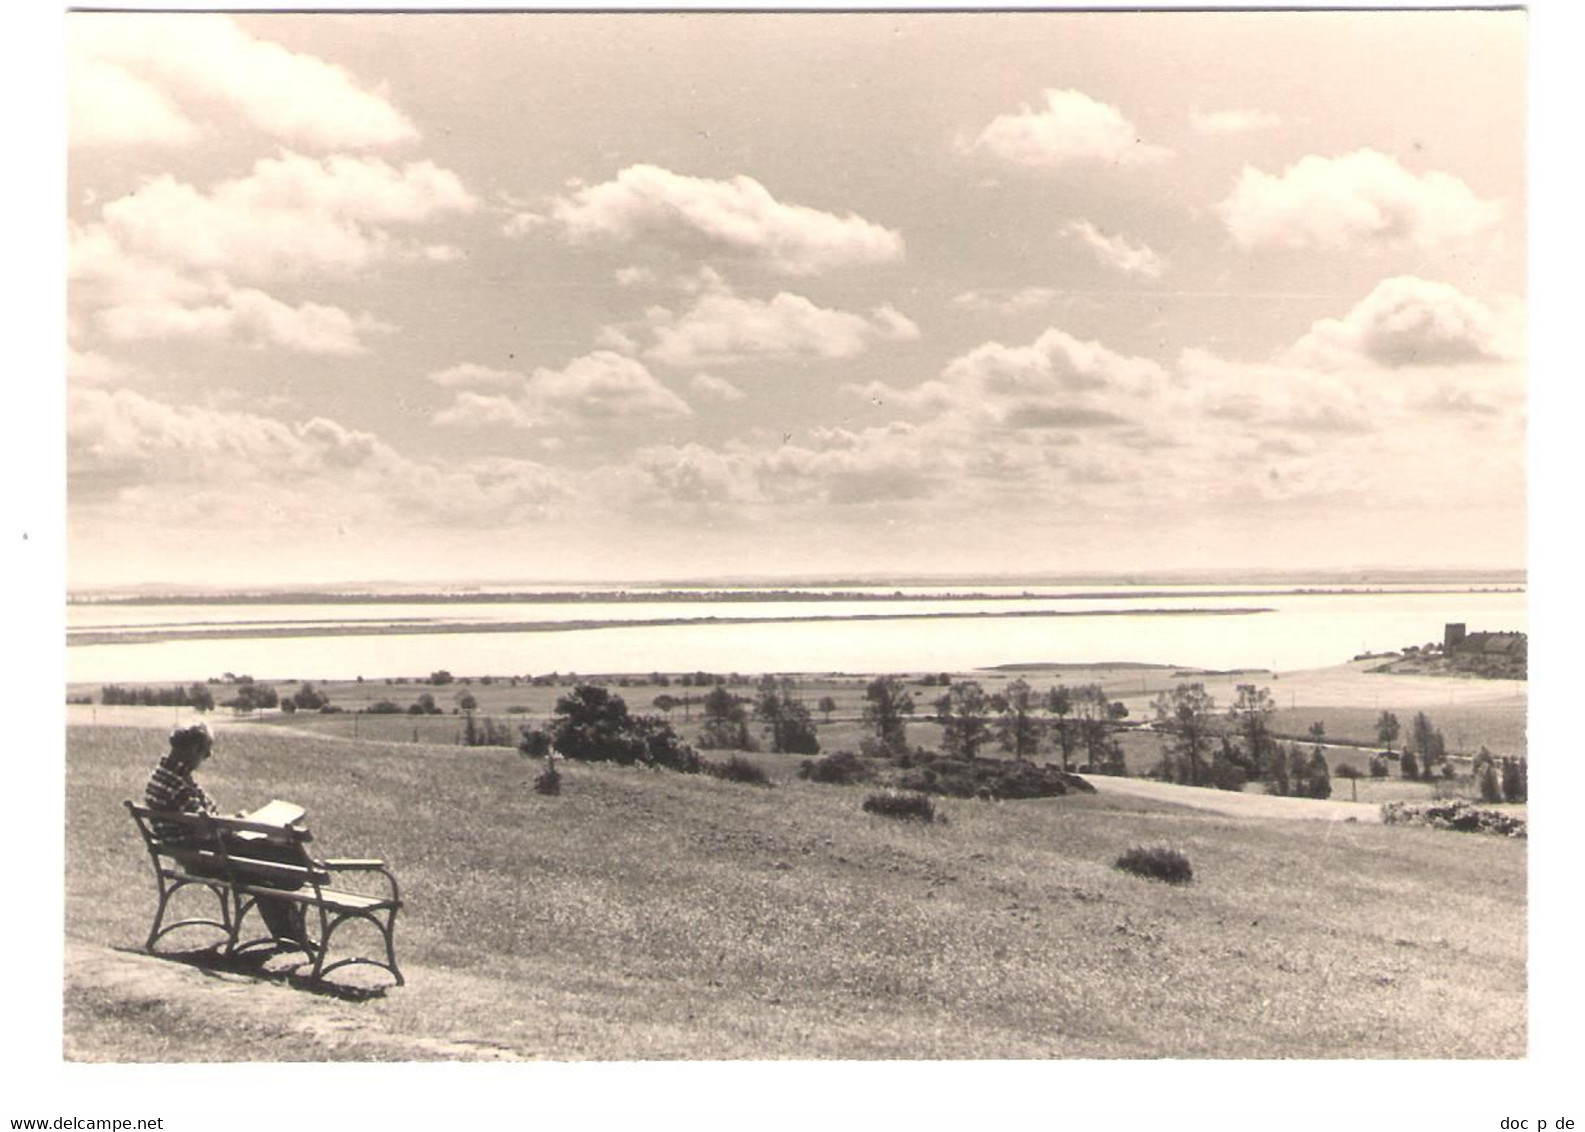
x: 389, y: 931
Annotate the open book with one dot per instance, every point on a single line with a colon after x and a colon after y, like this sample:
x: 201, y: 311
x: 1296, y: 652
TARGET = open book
x: 277, y: 812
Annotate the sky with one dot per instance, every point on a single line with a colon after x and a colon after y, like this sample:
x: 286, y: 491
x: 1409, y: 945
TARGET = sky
x: 429, y: 298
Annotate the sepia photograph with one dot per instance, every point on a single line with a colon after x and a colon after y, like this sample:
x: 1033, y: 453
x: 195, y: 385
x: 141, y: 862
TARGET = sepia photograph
x: 988, y: 536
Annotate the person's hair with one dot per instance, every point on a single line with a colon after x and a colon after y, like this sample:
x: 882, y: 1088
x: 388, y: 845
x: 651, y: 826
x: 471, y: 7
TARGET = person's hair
x: 189, y: 738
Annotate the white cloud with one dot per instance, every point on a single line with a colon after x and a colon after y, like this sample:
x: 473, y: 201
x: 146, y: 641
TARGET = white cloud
x: 107, y: 105
x: 246, y: 316
x: 204, y: 59
x: 85, y: 367
x: 470, y: 376
x: 713, y: 388
x: 601, y: 387
x: 1008, y: 302
x: 721, y: 328
x: 633, y: 276
x: 1055, y: 382
x: 127, y: 453
x: 292, y: 214
x: 1117, y: 251
x: 1361, y: 197
x: 1408, y: 321
x: 1071, y: 127
x: 737, y: 216
x: 479, y: 410
x: 604, y: 386
x: 1223, y: 122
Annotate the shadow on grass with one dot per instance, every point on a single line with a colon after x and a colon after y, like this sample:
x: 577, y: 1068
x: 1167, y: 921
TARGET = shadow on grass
x: 258, y: 963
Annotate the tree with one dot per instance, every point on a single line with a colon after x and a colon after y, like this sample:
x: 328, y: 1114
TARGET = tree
x: 1318, y: 777
x: 441, y: 677
x: 1408, y: 767
x: 1387, y: 729
x: 1093, y: 716
x: 1186, y: 713
x: 1251, y: 714
x: 1515, y: 780
x: 963, y: 715
x: 725, y: 721
x: 1226, y: 771
x: 1018, y: 730
x: 1059, y: 702
x: 666, y: 703
x: 827, y: 706
x: 791, y: 725
x: 593, y: 724
x: 308, y: 698
x: 1350, y: 772
x: 467, y: 702
x: 886, y: 702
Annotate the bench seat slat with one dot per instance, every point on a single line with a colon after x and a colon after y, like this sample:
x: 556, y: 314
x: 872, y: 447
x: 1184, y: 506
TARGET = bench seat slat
x: 329, y: 897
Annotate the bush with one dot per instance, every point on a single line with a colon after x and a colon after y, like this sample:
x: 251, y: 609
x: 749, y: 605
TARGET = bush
x: 737, y: 769
x: 843, y: 768
x: 901, y: 804
x: 1157, y: 862
x: 1456, y: 815
x: 549, y: 779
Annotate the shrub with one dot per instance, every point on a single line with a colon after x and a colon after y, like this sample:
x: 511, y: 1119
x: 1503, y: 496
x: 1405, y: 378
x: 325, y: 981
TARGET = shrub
x: 1455, y: 815
x: 737, y: 769
x: 901, y: 804
x: 1157, y: 862
x: 843, y: 768
x: 549, y: 779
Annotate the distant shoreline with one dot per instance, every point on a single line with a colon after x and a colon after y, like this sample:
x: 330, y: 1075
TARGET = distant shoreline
x: 160, y: 636
x: 738, y: 594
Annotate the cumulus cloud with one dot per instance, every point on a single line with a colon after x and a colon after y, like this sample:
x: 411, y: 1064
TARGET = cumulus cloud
x: 841, y: 468
x: 108, y: 105
x: 1070, y: 127
x: 127, y: 73
x: 482, y: 410
x: 738, y: 216
x: 1007, y: 302
x: 470, y: 376
x: 713, y: 388
x: 721, y: 328
x: 290, y: 215
x: 1408, y: 321
x: 248, y: 317
x: 85, y: 367
x: 1056, y: 382
x: 123, y: 446
x: 601, y: 387
x: 1360, y: 198
x: 1117, y: 251
x: 1224, y: 122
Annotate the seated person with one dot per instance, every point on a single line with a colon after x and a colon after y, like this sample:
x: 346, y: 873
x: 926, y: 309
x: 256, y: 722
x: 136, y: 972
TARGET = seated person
x: 171, y: 787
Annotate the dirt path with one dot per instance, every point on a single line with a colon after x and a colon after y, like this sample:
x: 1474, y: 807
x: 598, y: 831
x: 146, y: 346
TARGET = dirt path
x: 1237, y: 805
x: 300, y: 1024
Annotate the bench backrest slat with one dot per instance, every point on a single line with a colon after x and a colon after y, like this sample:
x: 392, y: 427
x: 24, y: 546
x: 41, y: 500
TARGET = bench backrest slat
x: 243, y: 851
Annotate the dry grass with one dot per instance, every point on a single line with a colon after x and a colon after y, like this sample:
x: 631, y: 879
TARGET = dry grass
x: 650, y: 915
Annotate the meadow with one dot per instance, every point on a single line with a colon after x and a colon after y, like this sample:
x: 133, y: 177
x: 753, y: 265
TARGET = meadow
x: 649, y: 915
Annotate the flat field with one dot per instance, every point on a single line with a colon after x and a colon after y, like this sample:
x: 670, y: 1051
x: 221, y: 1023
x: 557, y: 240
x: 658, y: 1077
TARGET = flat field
x: 647, y: 915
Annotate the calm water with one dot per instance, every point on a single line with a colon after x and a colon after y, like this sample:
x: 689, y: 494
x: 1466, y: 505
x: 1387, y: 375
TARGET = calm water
x: 1301, y: 631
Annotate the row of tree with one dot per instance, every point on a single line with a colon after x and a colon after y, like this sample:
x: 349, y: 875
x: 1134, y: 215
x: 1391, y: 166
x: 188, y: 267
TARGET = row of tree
x: 1020, y: 720
x: 1207, y: 747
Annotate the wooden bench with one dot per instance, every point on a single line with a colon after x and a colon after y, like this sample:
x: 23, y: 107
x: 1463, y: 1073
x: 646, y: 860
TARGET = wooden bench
x: 240, y: 862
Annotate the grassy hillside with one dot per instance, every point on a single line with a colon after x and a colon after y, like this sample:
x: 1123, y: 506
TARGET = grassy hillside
x: 650, y: 915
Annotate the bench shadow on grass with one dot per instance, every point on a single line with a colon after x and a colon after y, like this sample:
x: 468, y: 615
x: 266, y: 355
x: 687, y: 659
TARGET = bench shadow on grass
x: 265, y: 964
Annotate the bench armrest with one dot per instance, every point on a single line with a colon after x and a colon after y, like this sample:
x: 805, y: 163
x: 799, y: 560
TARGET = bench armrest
x: 364, y: 865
